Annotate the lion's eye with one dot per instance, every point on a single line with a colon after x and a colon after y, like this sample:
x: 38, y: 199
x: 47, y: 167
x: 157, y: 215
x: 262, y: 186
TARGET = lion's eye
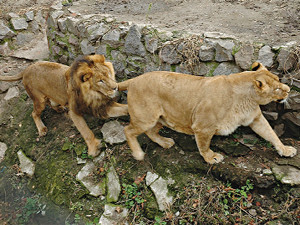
x: 101, y: 82
x: 277, y: 89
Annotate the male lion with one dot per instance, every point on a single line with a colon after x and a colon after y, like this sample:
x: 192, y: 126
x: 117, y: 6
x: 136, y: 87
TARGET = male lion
x: 202, y: 106
x: 88, y: 86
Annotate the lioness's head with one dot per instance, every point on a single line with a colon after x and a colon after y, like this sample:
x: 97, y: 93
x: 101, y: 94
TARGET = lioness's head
x: 94, y: 77
x: 267, y: 85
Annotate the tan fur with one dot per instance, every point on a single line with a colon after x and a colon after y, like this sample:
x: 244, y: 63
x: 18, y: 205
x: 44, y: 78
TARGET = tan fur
x: 203, y: 107
x: 88, y: 86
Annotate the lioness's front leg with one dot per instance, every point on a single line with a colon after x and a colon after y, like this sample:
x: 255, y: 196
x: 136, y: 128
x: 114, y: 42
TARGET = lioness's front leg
x: 86, y: 133
x: 203, y: 143
x: 261, y: 126
x: 117, y: 109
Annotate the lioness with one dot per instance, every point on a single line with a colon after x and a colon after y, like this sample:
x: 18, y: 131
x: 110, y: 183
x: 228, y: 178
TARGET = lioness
x: 202, y: 106
x: 88, y: 86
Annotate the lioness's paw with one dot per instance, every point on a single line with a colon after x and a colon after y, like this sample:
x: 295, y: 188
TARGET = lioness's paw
x: 168, y: 143
x: 138, y: 155
x: 214, y: 158
x: 43, y: 132
x: 288, y: 151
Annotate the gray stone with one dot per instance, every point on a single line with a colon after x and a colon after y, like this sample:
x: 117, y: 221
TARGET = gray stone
x: 39, y: 51
x: 4, y: 49
x: 13, y: 15
x: 114, y: 215
x: 71, y: 24
x: 244, y: 56
x: 113, y: 132
x: 286, y: 59
x: 294, y: 117
x: 39, y: 18
x: 86, y: 47
x: 35, y: 28
x: 279, y: 129
x: 96, y: 31
x: 287, y: 174
x: 151, y: 44
x: 73, y: 40
x: 265, y: 56
x: 150, y: 178
x: 52, y: 19
x: 5, y: 32
x: 19, y: 23
x: 206, y: 53
x: 112, y: 38
x: 24, y: 38
x: 169, y: 54
x: 224, y: 50
x: 218, y: 35
x: 29, y: 16
x: 12, y: 93
x: 3, y: 148
x: 270, y: 115
x: 293, y: 101
x: 226, y: 68
x: 101, y: 50
x: 113, y: 185
x: 84, y: 176
x: 57, y: 5
x: 4, y: 86
x: 62, y: 24
x: 26, y: 164
x: 133, y: 44
x: 159, y: 186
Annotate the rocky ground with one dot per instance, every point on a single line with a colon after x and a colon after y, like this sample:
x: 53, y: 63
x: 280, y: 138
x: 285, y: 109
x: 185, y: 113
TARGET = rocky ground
x: 252, y: 186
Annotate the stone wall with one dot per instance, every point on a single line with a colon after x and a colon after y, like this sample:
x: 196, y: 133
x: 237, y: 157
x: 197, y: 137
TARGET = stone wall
x: 135, y: 49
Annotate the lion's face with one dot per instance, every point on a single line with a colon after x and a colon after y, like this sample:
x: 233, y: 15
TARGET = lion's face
x: 268, y: 87
x: 94, y: 77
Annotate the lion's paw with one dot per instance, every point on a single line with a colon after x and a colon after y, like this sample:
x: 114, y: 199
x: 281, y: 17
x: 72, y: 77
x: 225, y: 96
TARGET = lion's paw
x: 214, y: 158
x: 288, y: 151
x: 138, y: 155
x: 93, y: 148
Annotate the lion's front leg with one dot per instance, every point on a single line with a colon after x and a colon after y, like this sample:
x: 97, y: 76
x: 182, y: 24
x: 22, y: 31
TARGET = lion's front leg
x: 86, y: 133
x: 117, y: 109
x: 261, y: 126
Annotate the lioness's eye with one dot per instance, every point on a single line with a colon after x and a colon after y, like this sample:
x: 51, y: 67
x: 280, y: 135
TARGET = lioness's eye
x: 101, y: 81
x: 277, y: 89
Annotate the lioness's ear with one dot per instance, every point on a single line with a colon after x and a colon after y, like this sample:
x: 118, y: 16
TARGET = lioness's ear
x: 255, y: 66
x: 85, y: 77
x: 258, y: 66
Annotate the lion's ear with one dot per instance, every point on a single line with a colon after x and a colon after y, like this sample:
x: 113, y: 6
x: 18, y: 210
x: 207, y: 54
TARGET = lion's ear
x: 97, y: 58
x: 85, y: 77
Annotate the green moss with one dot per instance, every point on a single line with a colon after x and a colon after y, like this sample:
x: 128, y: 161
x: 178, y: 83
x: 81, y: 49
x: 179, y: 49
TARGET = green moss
x: 173, y: 68
x: 212, y: 66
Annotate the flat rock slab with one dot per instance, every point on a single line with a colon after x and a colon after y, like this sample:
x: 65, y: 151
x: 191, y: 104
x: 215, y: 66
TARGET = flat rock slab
x: 26, y: 164
x: 113, y: 132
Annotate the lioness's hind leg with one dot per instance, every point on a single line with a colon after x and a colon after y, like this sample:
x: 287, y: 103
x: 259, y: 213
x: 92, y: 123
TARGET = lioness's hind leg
x: 203, y: 142
x: 131, y: 134
x: 162, y: 141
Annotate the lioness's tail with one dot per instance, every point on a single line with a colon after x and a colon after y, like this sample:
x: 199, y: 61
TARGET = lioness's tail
x: 124, y: 85
x: 12, y: 78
